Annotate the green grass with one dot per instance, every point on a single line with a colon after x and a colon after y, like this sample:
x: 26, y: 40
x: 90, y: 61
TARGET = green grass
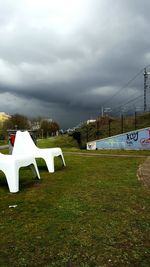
x: 111, y: 152
x: 92, y: 213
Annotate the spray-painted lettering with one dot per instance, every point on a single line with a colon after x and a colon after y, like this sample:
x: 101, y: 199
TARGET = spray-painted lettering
x: 145, y: 141
x: 132, y: 137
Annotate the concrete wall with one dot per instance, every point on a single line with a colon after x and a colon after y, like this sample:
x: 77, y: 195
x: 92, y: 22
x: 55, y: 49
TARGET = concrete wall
x: 138, y: 139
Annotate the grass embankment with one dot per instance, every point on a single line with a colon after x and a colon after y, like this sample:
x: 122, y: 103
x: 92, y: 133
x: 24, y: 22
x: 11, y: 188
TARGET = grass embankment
x: 66, y: 142
x: 128, y: 124
x: 92, y: 213
x: 109, y: 126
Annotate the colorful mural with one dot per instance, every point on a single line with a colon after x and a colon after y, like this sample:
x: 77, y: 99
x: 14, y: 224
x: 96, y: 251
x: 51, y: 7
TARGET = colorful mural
x: 139, y: 139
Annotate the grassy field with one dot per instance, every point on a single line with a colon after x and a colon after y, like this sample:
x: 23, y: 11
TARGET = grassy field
x: 92, y: 213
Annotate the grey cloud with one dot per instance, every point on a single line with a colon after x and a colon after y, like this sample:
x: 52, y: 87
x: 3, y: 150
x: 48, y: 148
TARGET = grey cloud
x: 69, y: 73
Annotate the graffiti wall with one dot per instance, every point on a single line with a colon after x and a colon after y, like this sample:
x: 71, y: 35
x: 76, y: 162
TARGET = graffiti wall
x: 138, y: 139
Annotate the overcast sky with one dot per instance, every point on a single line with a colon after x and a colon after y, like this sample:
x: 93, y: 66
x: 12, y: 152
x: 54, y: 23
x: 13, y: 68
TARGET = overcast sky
x: 65, y: 59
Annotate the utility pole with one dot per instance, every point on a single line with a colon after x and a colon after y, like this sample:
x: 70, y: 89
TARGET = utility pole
x: 87, y: 133
x: 122, y: 123
x: 105, y: 110
x: 109, y: 127
x: 135, y: 120
x: 146, y: 86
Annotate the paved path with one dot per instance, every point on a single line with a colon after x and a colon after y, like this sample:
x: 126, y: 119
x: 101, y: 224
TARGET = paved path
x: 4, y: 147
x: 105, y: 155
x: 144, y: 172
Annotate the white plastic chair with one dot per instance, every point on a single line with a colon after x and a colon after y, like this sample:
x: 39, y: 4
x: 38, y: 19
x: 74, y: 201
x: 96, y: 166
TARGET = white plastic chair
x: 10, y: 165
x: 24, y: 144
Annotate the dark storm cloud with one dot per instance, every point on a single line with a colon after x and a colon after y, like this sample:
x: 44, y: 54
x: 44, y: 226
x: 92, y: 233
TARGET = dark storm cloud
x: 67, y: 63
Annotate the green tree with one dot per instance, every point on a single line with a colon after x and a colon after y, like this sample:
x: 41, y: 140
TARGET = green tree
x: 49, y: 128
x: 17, y: 122
x: 54, y: 127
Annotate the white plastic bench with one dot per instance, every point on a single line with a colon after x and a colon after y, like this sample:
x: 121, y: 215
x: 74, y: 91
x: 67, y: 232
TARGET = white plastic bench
x: 24, y: 144
x: 10, y: 165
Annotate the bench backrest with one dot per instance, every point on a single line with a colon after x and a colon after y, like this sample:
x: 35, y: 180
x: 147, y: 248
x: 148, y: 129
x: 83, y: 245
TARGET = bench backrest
x: 23, y: 143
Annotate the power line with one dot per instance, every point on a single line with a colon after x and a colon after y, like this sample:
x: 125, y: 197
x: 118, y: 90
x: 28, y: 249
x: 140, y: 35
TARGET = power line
x: 129, y: 101
x: 125, y: 85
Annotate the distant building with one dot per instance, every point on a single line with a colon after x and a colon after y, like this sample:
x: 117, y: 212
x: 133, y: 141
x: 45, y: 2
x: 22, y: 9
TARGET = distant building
x: 69, y: 130
x: 35, y: 125
x: 47, y: 119
x: 4, y: 117
x: 90, y: 121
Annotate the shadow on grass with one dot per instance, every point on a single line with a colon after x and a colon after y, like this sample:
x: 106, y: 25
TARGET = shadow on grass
x: 25, y: 172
